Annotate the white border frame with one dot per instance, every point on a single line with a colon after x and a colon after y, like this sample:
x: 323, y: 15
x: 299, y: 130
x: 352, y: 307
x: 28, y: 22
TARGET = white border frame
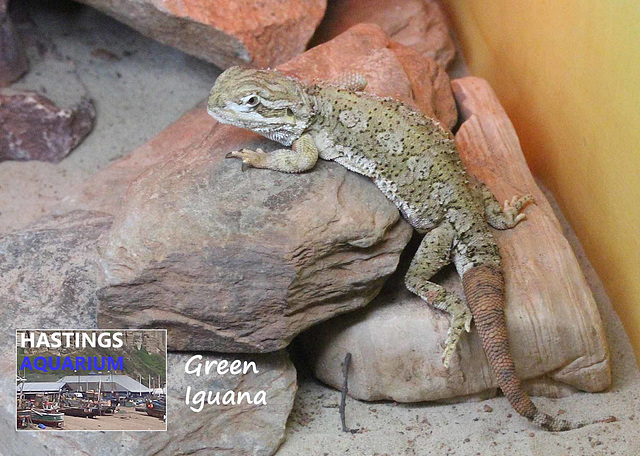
x: 166, y: 376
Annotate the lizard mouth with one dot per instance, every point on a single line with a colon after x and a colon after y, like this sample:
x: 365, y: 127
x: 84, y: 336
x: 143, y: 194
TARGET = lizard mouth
x: 213, y: 112
x: 219, y: 114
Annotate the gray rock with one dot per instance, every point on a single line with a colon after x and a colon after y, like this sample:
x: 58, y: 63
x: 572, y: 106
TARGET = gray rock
x: 226, y: 429
x: 242, y: 262
x: 49, y: 271
x: 48, y: 278
x: 397, y: 343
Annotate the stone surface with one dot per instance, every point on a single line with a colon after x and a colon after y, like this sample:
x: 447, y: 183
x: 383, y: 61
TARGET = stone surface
x: 226, y: 429
x: 558, y: 340
x: 52, y: 267
x: 243, y: 262
x: 191, y: 128
x: 33, y: 128
x: 226, y: 33
x: 430, y: 85
x: 48, y: 277
x: 419, y: 24
x: 13, y: 60
x: 237, y: 262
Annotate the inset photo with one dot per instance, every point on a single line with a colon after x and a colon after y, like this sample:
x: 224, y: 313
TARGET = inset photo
x: 91, y: 380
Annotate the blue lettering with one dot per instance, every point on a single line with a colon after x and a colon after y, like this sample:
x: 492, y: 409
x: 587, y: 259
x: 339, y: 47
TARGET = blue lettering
x: 26, y: 364
x: 115, y: 365
x: 95, y: 363
x: 51, y: 366
x: 67, y: 364
x: 44, y: 362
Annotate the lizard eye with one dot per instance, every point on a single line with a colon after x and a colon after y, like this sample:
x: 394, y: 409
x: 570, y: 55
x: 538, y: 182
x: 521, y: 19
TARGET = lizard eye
x: 252, y: 101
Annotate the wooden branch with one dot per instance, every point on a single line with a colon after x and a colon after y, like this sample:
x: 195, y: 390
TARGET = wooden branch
x: 343, y: 392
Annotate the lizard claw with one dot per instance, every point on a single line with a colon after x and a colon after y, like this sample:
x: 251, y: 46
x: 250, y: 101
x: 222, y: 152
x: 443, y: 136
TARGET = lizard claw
x: 518, y: 202
x: 512, y: 208
x: 467, y: 322
x: 250, y: 158
x: 459, y: 323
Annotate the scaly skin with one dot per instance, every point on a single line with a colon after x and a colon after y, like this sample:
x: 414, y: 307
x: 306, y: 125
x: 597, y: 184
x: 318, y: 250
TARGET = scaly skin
x: 414, y: 162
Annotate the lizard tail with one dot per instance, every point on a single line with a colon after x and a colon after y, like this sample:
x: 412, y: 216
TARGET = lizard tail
x: 484, y: 291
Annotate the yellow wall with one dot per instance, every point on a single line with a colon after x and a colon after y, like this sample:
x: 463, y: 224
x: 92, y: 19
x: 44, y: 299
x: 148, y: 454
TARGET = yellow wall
x: 568, y: 74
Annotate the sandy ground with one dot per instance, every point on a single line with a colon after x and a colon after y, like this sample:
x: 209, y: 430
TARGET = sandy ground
x: 139, y: 87
x: 125, y: 420
x: 148, y: 86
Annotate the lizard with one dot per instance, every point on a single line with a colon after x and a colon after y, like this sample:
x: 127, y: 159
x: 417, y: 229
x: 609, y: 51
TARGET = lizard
x: 413, y: 160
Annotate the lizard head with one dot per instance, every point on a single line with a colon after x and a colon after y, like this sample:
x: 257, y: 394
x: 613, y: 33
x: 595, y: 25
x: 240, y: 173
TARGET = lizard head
x: 264, y: 101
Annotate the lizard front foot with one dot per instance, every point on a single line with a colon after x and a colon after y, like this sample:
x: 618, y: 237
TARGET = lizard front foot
x: 250, y: 158
x: 512, y: 209
x: 460, y: 321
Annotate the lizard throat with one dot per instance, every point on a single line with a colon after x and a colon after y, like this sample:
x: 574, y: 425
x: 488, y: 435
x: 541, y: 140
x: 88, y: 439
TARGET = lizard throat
x: 284, y: 137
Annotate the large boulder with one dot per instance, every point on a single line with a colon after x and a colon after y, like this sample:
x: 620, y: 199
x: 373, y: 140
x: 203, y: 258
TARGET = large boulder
x: 223, y: 32
x: 418, y: 24
x: 557, y: 338
x: 243, y: 262
x: 48, y: 276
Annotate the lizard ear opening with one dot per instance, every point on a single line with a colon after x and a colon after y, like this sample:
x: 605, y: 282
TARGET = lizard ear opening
x: 290, y: 116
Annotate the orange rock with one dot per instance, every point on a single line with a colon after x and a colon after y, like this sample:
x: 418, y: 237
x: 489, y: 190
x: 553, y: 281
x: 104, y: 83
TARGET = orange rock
x: 419, y: 24
x: 429, y: 83
x: 225, y: 33
x: 392, y: 69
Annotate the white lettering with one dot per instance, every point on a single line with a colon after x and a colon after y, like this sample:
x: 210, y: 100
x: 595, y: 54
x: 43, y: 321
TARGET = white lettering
x: 196, y: 371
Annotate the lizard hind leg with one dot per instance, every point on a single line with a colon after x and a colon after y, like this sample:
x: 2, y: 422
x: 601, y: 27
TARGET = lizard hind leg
x: 433, y: 254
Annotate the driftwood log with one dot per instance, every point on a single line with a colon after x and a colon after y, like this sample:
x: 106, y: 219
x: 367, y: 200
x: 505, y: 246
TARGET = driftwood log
x: 558, y: 340
x: 546, y: 287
